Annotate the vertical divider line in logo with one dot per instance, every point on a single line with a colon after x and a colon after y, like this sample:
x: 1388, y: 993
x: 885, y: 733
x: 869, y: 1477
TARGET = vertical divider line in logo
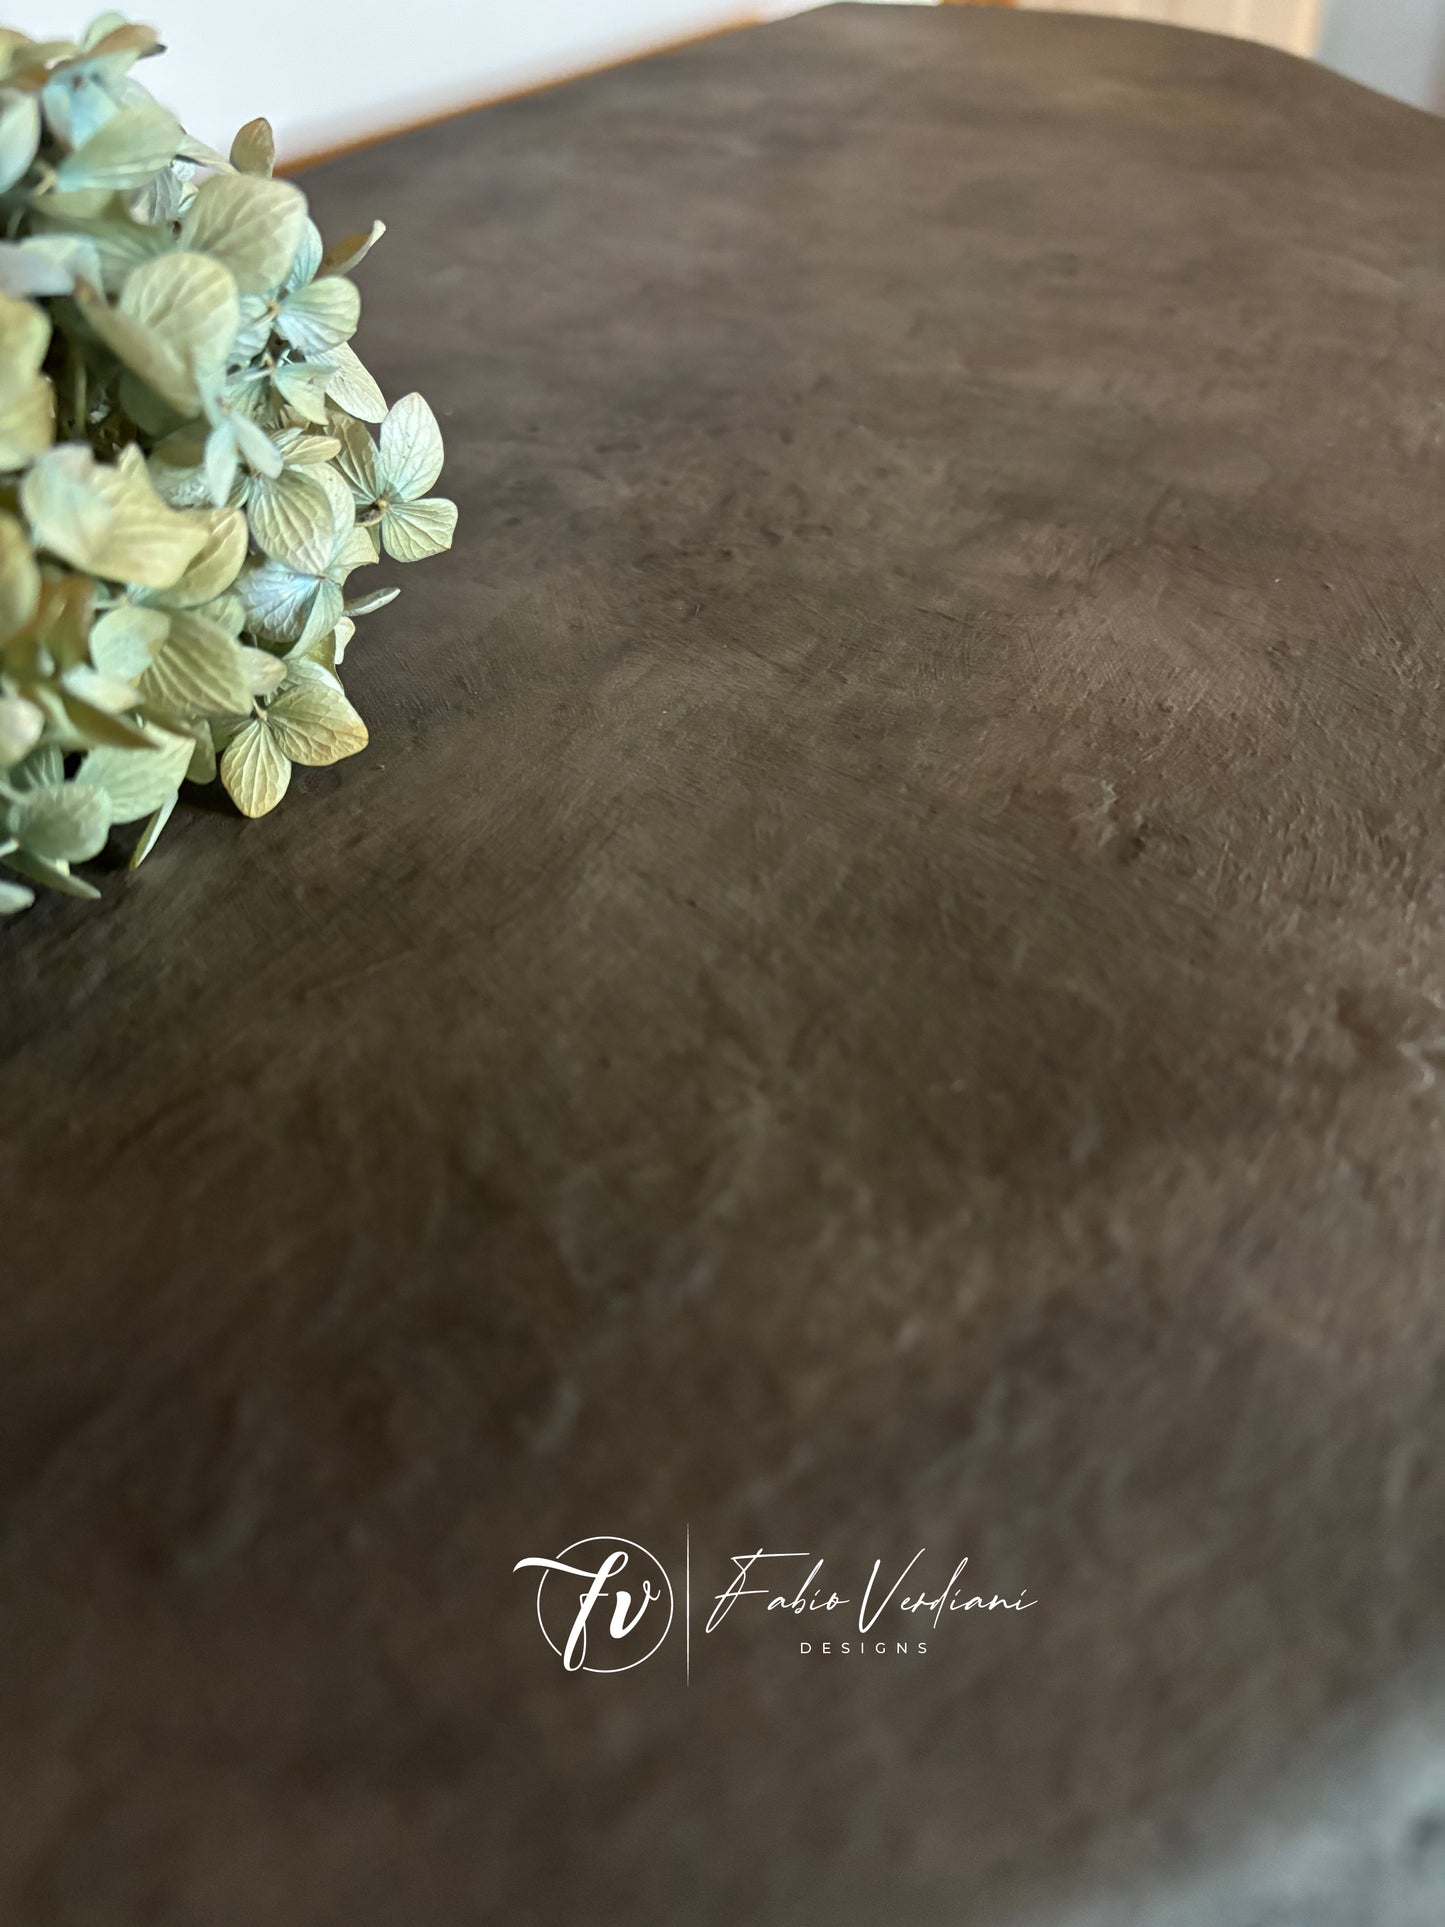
x: 687, y: 1599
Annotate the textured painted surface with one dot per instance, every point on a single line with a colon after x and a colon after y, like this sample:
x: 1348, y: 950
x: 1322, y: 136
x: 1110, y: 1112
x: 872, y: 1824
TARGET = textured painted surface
x: 883, y: 983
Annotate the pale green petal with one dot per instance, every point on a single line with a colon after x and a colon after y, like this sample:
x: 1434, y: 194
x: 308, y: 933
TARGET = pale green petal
x: 290, y: 520
x: 314, y: 724
x: 357, y: 460
x: 135, y: 143
x: 320, y: 316
x: 19, y: 135
x: 19, y: 577
x: 55, y: 876
x: 352, y: 386
x: 106, y: 519
x: 308, y: 257
x: 124, y: 642
x: 277, y: 600
x: 411, y: 449
x: 302, y: 385
x: 138, y: 781
x: 201, y: 671
x: 216, y: 563
x: 190, y: 301
x: 250, y: 225
x: 150, y: 835
x: 27, y: 423
x: 24, y: 337
x: 48, y: 264
x: 414, y: 530
x: 253, y: 151
x: 20, y: 726
x: 254, y: 770
x: 222, y: 461
x: 351, y: 252
x: 61, y: 822
x: 256, y: 446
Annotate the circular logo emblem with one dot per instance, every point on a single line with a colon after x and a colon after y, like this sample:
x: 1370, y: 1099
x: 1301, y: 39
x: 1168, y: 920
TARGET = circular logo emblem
x: 604, y: 1604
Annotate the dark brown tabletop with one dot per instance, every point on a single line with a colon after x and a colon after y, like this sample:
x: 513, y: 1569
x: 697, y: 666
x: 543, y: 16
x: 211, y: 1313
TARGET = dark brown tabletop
x: 881, y: 986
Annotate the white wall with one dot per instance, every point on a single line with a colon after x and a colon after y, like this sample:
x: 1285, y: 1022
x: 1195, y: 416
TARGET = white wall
x: 1291, y: 24
x: 1395, y: 45
x: 327, y: 71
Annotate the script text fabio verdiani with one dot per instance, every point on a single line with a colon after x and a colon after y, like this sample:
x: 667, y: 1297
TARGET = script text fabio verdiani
x: 921, y: 1606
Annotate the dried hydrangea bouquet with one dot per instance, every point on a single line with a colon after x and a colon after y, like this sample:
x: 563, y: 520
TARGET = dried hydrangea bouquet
x: 187, y: 478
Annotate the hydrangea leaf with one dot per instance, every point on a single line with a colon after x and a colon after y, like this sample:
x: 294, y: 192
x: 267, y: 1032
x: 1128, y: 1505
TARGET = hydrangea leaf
x: 201, y: 152
x: 164, y: 199
x: 111, y: 33
x: 356, y: 551
x: 44, y: 764
x: 316, y: 664
x: 227, y: 611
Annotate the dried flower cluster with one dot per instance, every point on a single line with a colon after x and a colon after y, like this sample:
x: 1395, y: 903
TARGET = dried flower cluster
x: 187, y: 475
